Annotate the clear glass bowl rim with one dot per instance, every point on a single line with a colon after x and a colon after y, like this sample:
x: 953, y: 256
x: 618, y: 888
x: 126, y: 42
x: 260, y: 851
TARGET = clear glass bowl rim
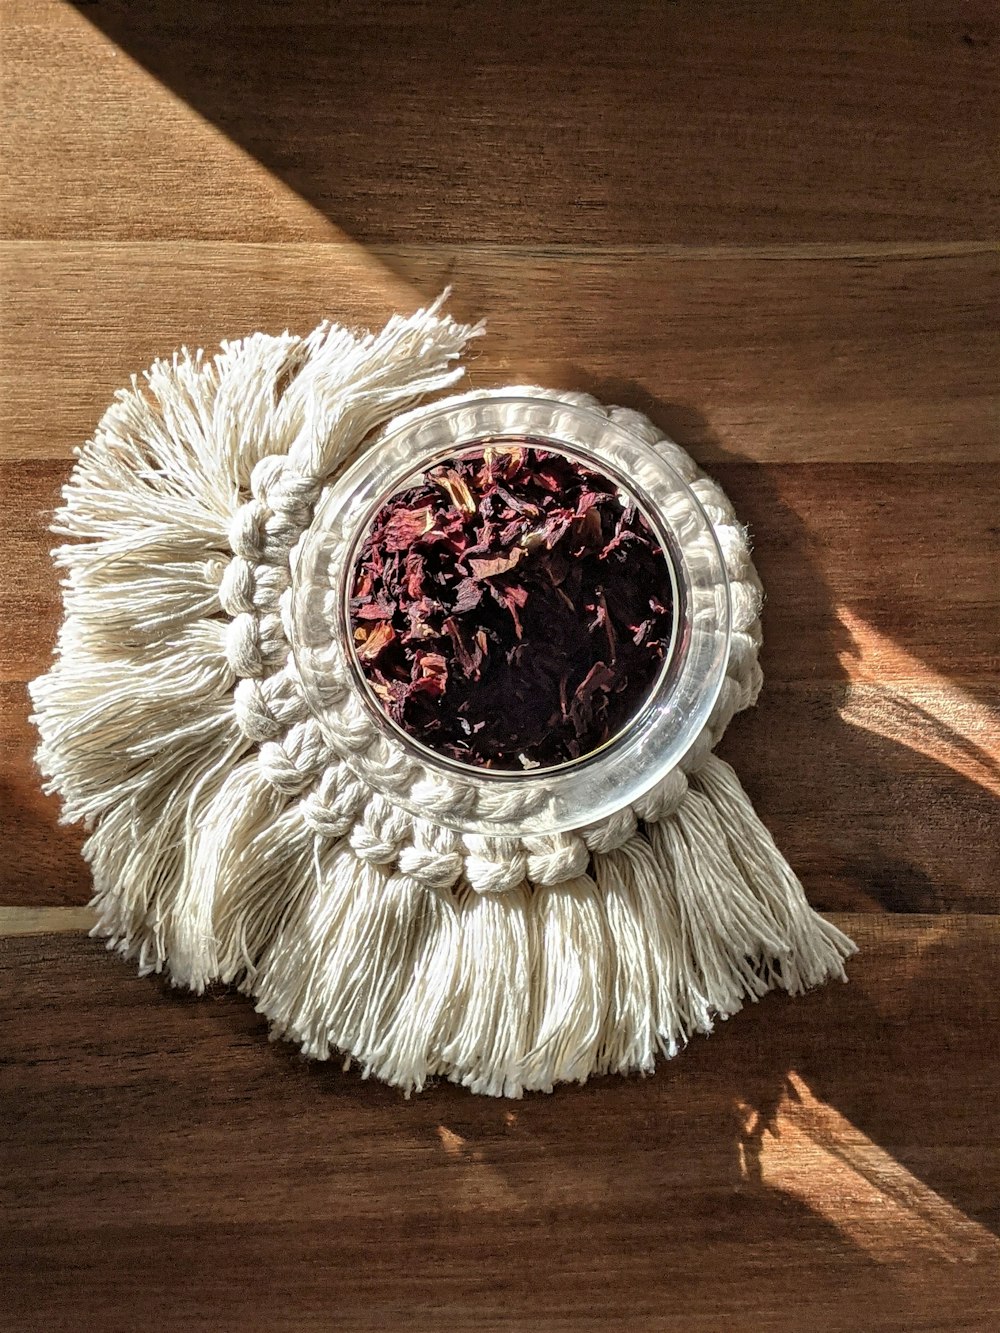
x: 582, y: 791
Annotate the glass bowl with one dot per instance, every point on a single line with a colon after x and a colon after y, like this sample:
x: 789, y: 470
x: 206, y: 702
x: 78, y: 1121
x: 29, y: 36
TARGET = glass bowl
x: 493, y: 801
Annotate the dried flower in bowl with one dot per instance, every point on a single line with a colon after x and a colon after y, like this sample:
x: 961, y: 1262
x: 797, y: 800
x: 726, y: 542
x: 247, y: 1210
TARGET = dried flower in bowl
x: 511, y: 608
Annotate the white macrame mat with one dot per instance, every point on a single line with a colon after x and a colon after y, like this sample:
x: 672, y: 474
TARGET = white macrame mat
x: 230, y: 839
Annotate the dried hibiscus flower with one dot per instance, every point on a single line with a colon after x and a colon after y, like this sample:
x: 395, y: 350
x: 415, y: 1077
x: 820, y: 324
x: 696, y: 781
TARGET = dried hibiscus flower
x: 511, y: 609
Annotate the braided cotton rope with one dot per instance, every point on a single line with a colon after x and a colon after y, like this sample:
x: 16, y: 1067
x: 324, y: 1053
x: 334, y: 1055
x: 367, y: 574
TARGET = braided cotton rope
x: 234, y: 838
x: 320, y: 766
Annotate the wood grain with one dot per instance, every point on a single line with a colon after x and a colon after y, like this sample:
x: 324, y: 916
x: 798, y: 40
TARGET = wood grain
x: 773, y: 358
x: 46, y: 920
x: 524, y: 122
x: 776, y: 231
x: 866, y: 569
x: 828, y: 1163
x: 873, y: 754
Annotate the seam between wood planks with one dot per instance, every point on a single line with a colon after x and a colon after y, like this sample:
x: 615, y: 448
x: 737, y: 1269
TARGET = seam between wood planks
x: 46, y: 920
x: 819, y: 251
x: 79, y: 920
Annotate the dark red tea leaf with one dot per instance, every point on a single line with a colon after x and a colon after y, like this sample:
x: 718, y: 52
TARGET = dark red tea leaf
x: 373, y: 644
x: 499, y: 564
x: 511, y: 609
x: 405, y: 526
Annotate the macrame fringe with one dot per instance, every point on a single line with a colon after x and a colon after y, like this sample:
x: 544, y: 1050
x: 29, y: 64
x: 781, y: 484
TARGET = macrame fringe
x: 136, y: 718
x: 218, y: 861
x: 522, y: 990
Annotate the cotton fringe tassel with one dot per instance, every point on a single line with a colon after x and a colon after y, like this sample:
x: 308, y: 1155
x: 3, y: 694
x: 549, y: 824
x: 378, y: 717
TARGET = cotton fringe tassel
x: 206, y: 869
x: 516, y: 991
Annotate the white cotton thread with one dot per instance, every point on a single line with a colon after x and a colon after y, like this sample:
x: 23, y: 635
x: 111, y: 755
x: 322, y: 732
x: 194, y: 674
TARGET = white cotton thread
x: 233, y: 839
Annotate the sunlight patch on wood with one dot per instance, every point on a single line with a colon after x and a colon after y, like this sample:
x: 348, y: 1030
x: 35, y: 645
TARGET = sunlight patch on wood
x: 190, y: 166
x: 451, y: 1142
x: 810, y: 1151
x: 479, y: 1186
x: 45, y: 920
x: 900, y: 698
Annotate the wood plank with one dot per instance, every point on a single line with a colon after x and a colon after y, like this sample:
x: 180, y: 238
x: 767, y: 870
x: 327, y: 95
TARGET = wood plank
x: 881, y: 798
x: 661, y: 123
x: 868, y: 575
x: 871, y: 816
x: 828, y: 1163
x: 40, y: 863
x: 46, y: 920
x: 874, y: 755
x: 770, y: 359
x: 106, y: 149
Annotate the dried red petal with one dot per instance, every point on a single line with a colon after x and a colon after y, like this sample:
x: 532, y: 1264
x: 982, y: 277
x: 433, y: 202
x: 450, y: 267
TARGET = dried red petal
x: 374, y: 644
x: 430, y: 674
x: 574, y: 630
x: 458, y: 491
x: 499, y: 564
x: 405, y: 526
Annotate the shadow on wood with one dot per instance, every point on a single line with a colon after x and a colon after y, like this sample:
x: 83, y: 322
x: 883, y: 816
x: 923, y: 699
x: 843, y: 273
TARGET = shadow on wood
x: 672, y: 123
x: 867, y: 822
x: 832, y: 1159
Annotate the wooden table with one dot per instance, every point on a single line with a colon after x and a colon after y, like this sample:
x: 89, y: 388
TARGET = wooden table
x: 773, y: 228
